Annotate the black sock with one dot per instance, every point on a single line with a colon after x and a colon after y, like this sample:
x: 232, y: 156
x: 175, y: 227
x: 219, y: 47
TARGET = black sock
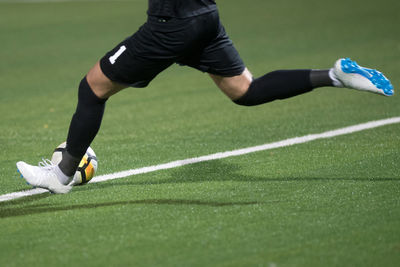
x: 320, y: 78
x: 83, y: 128
x: 69, y: 163
x: 279, y: 84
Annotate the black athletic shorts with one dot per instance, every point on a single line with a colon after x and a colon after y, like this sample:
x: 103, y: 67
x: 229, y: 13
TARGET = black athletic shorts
x: 199, y: 42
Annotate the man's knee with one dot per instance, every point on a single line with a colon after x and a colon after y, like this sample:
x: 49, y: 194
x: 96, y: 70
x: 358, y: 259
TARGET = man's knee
x: 234, y: 87
x: 100, y: 84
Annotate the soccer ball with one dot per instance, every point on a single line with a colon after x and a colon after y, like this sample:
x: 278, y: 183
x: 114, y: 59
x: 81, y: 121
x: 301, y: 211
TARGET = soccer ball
x: 86, y: 169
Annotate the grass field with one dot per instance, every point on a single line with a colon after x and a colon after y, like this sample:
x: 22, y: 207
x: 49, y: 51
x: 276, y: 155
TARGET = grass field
x: 331, y: 202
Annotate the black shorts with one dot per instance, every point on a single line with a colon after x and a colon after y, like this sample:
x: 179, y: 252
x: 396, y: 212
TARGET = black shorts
x: 199, y: 42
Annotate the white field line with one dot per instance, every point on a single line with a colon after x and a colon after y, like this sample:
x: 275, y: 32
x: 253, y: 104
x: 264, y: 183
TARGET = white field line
x: 220, y: 155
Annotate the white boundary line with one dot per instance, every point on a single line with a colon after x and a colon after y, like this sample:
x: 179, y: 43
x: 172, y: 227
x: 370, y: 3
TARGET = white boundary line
x: 220, y: 155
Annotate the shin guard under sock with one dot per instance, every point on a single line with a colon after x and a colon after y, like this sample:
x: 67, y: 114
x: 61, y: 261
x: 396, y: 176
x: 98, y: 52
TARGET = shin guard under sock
x: 84, y: 126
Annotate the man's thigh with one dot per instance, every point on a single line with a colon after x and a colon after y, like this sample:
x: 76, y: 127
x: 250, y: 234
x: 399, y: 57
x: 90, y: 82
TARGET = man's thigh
x: 218, y: 56
x: 137, y: 60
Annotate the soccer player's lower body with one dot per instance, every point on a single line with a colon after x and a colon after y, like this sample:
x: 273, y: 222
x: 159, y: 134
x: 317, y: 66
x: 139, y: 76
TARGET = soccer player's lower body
x: 201, y: 43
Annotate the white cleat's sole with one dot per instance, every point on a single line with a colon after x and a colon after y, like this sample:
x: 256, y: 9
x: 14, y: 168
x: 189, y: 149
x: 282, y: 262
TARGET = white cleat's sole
x: 351, y: 75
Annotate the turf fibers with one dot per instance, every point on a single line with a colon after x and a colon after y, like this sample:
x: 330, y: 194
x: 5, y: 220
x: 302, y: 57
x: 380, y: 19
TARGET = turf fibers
x: 332, y: 202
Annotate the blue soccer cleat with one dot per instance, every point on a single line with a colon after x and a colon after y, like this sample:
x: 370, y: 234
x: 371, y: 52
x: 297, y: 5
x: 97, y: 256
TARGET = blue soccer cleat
x: 347, y: 73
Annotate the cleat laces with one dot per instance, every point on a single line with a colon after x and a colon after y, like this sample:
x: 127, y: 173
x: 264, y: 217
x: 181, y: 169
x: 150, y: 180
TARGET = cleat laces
x: 46, y: 163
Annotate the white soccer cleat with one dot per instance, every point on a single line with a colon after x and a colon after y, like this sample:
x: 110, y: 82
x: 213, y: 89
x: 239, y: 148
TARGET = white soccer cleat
x: 43, y: 176
x: 347, y: 73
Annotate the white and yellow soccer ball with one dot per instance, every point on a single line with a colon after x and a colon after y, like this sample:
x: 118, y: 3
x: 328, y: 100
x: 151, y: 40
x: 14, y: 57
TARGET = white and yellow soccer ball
x: 86, y: 169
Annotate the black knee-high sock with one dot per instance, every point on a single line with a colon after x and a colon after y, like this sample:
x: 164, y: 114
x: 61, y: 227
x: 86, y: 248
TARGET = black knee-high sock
x: 84, y: 126
x: 283, y: 84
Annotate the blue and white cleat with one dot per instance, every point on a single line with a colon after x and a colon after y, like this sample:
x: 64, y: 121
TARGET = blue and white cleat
x: 43, y: 176
x: 347, y: 73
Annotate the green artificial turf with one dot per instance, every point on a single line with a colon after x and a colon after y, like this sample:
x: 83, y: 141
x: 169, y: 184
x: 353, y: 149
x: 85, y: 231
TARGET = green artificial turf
x: 331, y: 202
